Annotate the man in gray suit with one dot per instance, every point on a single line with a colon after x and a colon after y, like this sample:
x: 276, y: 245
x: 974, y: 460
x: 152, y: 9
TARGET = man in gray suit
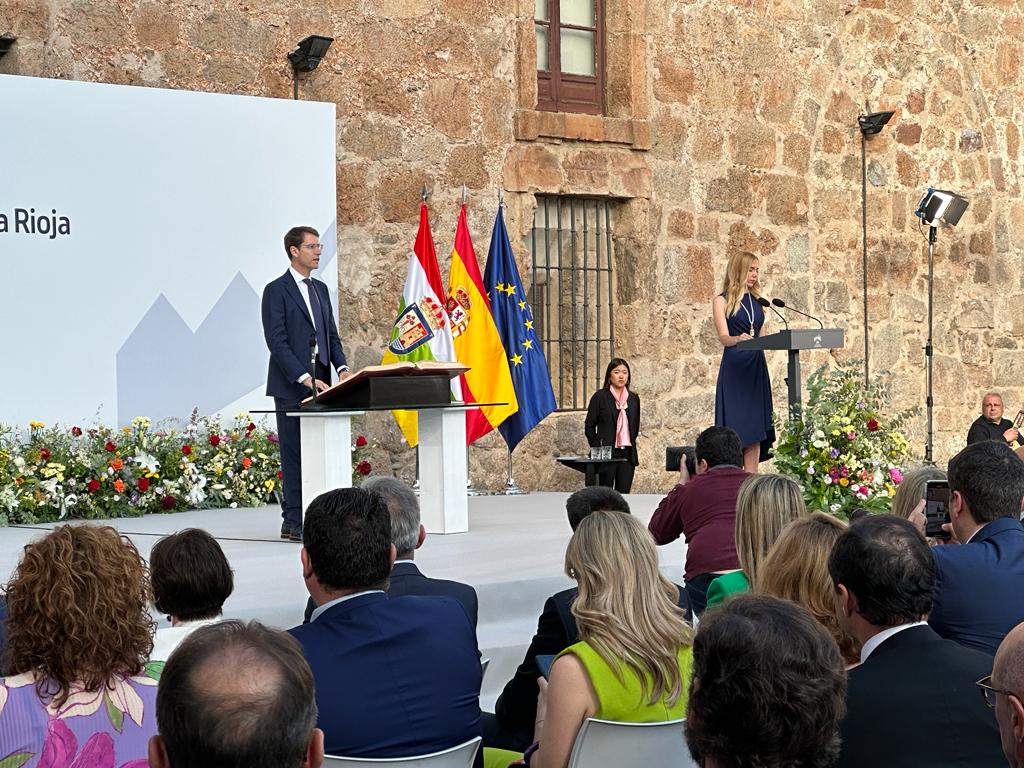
x: 408, y: 535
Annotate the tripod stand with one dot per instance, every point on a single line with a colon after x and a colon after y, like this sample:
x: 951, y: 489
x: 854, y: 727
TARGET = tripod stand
x: 929, y: 351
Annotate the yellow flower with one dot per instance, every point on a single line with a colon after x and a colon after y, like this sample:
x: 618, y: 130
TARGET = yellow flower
x: 269, y: 485
x: 36, y: 424
x: 843, y: 481
x: 835, y: 432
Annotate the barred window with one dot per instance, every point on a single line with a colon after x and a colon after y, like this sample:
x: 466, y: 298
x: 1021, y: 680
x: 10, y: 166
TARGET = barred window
x: 571, y: 293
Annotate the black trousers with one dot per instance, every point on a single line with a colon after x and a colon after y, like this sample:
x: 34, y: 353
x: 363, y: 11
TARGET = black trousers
x: 290, y: 436
x: 697, y: 593
x: 620, y: 474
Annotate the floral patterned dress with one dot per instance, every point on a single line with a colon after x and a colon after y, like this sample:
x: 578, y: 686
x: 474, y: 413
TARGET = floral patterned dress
x: 108, y: 728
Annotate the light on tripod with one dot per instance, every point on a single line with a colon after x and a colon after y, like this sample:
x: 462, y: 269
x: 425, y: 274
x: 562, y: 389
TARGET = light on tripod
x: 941, y: 208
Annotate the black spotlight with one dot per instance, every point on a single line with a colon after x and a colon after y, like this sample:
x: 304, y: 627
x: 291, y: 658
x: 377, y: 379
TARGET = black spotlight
x: 307, y: 56
x: 874, y: 122
x: 6, y: 41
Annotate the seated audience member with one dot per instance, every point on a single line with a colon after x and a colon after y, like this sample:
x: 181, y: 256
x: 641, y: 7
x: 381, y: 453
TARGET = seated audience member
x: 632, y: 662
x: 394, y: 676
x: 191, y: 580
x: 1003, y: 692
x: 796, y: 569
x: 703, y: 509
x: 991, y: 425
x: 912, y: 700
x: 908, y: 502
x: 78, y: 636
x: 408, y: 535
x: 980, y: 582
x: 766, y: 503
x: 236, y: 694
x: 767, y: 689
x: 511, y: 725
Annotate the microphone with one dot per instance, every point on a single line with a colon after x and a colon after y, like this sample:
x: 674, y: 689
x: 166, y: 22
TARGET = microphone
x: 768, y: 305
x: 781, y: 303
x: 312, y: 367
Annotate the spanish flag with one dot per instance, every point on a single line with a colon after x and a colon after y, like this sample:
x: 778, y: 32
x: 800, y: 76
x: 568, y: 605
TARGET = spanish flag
x: 477, y: 343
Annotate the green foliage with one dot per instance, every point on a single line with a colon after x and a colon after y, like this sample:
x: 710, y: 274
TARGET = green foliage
x: 845, y: 449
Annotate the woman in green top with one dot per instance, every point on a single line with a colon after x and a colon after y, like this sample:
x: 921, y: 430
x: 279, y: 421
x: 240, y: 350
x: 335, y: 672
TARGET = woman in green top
x: 632, y: 663
x: 765, y: 504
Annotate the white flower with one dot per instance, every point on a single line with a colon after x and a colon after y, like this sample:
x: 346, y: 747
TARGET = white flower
x: 827, y: 480
x: 810, y: 469
x: 835, y: 507
x: 233, y: 504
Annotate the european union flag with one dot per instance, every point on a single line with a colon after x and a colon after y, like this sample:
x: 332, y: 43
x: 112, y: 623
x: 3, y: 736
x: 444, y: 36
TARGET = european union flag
x: 514, y: 321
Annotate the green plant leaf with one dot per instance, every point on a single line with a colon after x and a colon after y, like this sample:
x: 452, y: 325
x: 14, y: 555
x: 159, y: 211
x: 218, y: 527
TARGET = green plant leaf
x: 116, y: 715
x: 16, y: 760
x: 154, y: 669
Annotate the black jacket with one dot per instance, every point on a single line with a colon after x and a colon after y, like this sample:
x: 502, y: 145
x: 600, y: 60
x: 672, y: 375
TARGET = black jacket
x: 603, y: 417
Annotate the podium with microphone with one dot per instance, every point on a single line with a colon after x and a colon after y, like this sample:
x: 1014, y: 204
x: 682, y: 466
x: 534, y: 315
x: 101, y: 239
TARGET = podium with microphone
x: 793, y: 340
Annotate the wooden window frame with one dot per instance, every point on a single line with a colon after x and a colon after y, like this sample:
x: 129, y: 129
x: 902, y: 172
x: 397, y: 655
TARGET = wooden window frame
x: 559, y: 91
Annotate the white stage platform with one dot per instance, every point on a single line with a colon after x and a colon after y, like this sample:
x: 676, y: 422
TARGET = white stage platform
x: 512, y: 554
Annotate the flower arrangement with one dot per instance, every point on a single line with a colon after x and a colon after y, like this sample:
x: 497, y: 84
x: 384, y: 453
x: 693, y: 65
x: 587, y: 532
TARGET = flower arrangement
x: 56, y: 472
x: 361, y: 466
x: 844, y: 450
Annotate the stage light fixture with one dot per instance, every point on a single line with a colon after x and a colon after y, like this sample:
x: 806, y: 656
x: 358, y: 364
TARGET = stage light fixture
x: 6, y: 41
x: 938, y: 208
x: 870, y: 125
x: 307, y: 56
x: 941, y: 208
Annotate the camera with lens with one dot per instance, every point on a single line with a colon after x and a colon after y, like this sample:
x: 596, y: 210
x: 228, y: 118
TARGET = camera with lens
x: 674, y: 456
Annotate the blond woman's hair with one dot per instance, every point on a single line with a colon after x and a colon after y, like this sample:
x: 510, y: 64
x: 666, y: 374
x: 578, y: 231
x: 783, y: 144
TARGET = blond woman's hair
x: 626, y: 609
x: 796, y: 569
x: 735, y: 283
x: 764, y: 506
x: 910, y: 492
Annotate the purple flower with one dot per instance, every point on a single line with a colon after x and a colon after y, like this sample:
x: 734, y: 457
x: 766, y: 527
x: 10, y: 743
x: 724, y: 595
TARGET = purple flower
x: 834, y: 453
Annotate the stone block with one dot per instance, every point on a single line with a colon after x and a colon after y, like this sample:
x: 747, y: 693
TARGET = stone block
x: 680, y: 225
x: 796, y: 152
x: 467, y: 165
x: 398, y: 195
x: 383, y: 95
x: 155, y: 26
x: 355, y: 203
x: 841, y: 109
x: 908, y: 133
x: 731, y: 193
x: 100, y: 25
x: 371, y: 138
x: 785, y: 199
x: 798, y: 253
x: 707, y: 229
x: 778, y: 98
x: 833, y: 140
x: 982, y: 243
x: 532, y: 167
x: 674, y: 80
x: 753, y: 145
x: 448, y: 108
x: 708, y: 141
x: 907, y: 169
x: 698, y: 274
x: 970, y: 140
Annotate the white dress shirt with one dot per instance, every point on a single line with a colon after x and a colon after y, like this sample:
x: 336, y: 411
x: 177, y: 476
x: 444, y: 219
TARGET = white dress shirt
x: 332, y: 603
x: 873, y: 642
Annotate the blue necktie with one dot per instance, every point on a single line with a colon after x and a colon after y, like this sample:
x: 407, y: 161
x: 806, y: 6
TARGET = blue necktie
x: 318, y: 322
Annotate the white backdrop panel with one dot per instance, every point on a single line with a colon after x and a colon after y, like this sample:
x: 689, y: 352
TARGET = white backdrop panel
x: 176, y: 203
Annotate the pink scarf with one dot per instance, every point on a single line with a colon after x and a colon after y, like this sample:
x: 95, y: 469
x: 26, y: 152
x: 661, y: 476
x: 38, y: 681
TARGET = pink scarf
x: 622, y: 424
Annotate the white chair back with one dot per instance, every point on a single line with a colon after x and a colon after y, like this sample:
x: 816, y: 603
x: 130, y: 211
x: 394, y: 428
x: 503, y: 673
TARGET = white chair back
x: 460, y: 756
x: 607, y: 744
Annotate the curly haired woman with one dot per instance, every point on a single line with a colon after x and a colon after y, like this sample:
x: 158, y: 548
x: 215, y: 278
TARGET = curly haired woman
x: 78, y: 637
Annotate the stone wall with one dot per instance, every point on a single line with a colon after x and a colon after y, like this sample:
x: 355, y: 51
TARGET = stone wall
x: 728, y: 125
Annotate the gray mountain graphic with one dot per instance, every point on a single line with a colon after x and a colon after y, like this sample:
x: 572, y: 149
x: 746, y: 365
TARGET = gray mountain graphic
x: 164, y: 370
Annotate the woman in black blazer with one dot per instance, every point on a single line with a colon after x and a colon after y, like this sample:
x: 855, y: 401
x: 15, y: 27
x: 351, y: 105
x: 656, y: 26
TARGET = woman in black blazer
x: 613, y: 418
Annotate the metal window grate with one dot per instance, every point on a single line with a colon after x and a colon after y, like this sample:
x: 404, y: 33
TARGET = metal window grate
x: 571, y: 295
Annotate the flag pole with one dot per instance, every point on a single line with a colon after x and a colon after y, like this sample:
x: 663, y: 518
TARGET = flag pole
x: 470, y: 490
x: 416, y: 482
x: 510, y: 489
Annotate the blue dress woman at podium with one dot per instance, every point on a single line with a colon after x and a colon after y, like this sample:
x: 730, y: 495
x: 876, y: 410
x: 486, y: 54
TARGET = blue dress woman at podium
x: 743, y: 396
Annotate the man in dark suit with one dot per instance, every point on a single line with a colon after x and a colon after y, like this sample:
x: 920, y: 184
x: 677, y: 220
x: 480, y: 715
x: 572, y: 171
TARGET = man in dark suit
x: 912, y: 700
x: 979, y: 583
x: 1004, y: 691
x: 991, y: 425
x: 394, y: 676
x: 511, y: 725
x: 408, y: 535
x: 298, y: 323
x: 703, y: 509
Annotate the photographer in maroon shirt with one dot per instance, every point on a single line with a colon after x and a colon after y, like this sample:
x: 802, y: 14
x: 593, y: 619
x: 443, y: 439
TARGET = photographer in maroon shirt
x: 703, y: 509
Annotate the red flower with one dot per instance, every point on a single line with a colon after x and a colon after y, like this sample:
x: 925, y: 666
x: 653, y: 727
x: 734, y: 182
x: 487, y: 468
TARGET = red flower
x: 76, y: 431
x: 360, y: 441
x: 93, y: 485
x: 143, y: 484
x: 280, y: 475
x: 110, y: 447
x: 186, y: 449
x: 44, y: 454
x: 214, y: 440
x: 872, y: 425
x: 364, y: 468
x: 168, y: 502
x: 251, y: 427
x: 273, y: 438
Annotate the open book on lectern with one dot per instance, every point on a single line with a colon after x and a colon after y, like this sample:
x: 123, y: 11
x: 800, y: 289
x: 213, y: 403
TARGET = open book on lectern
x: 400, y: 370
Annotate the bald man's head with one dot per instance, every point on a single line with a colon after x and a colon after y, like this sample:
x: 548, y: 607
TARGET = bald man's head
x: 1008, y: 676
x: 235, y: 694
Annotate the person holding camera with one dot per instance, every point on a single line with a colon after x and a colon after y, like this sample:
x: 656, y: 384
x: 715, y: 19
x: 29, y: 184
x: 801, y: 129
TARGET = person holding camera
x: 613, y: 420
x: 743, y: 395
x: 703, y: 509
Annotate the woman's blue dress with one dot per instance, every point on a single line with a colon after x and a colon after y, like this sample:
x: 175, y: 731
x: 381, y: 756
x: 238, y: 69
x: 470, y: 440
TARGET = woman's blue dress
x: 743, y: 397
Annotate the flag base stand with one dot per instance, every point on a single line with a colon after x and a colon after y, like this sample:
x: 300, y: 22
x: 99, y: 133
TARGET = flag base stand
x: 511, y: 487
